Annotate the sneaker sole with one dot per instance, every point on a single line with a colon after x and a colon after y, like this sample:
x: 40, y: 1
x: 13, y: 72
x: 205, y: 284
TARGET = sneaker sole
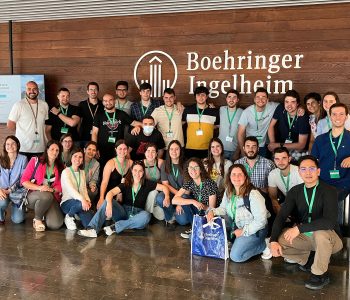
x: 313, y: 287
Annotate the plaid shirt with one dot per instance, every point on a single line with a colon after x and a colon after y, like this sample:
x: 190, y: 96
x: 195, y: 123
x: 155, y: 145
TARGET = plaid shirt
x: 136, y: 111
x: 261, y: 171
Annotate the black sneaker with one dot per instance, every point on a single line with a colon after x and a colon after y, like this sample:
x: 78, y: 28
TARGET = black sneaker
x: 310, y: 261
x: 317, y: 282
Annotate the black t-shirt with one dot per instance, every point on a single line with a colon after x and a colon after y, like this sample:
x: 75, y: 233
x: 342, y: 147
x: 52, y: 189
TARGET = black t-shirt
x: 57, y: 124
x: 141, y: 197
x: 138, y: 143
x: 88, y: 111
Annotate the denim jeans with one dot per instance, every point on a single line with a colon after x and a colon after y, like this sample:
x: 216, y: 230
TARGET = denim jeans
x: 168, y: 211
x: 245, y: 247
x: 72, y: 207
x: 17, y: 215
x: 99, y: 218
x: 137, y: 218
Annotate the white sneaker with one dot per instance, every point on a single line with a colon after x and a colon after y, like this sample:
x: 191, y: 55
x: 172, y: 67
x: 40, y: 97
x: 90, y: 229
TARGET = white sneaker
x: 289, y: 261
x: 186, y: 234
x: 88, y: 232
x: 267, y: 252
x: 109, y: 230
x: 70, y: 222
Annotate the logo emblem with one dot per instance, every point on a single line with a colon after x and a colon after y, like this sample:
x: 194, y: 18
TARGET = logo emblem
x: 158, y: 69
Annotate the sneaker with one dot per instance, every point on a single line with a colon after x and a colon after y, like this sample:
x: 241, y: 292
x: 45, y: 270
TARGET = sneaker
x: 186, y: 234
x: 70, y: 222
x: 88, y: 232
x: 310, y: 261
x: 267, y: 252
x: 317, y: 282
x: 289, y: 261
x: 109, y: 230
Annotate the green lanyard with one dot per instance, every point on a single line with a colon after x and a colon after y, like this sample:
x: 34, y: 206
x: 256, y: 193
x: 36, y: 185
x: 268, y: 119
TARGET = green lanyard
x: 76, y: 180
x: 175, y: 172
x: 110, y: 119
x: 170, y: 116
x: 121, y: 107
x: 249, y: 169
x: 49, y: 172
x: 290, y: 125
x: 152, y: 173
x: 65, y: 112
x: 200, y: 192
x: 143, y: 110
x: 120, y: 166
x: 329, y: 123
x: 88, y: 167
x: 200, y: 114
x: 233, y: 206
x: 286, y: 184
x: 256, y: 118
x: 230, y: 119
x: 134, y: 194
x: 335, y: 150
x: 310, y: 204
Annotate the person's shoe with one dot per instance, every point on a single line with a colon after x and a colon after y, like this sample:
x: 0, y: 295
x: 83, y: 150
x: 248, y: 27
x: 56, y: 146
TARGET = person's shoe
x: 317, y: 282
x: 290, y: 261
x: 88, y: 233
x: 186, y: 234
x: 267, y: 252
x: 2, y: 222
x: 310, y: 261
x: 70, y: 222
x: 109, y: 230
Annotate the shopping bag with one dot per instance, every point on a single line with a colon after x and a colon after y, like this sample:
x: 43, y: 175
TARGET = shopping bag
x: 209, y: 238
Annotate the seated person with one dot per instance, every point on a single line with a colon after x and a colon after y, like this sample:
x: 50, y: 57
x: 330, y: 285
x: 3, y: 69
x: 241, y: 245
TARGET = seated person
x: 131, y: 214
x: 316, y: 205
x: 247, y: 215
x: 66, y: 141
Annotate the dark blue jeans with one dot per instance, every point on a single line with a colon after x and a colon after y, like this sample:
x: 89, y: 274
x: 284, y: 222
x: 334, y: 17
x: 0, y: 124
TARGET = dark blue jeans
x: 137, y: 218
x: 168, y: 211
x: 72, y: 207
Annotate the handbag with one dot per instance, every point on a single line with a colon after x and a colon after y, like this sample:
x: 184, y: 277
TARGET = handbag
x: 209, y: 238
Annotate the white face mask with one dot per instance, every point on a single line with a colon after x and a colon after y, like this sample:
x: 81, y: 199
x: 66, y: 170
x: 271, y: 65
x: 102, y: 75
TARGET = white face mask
x: 147, y: 130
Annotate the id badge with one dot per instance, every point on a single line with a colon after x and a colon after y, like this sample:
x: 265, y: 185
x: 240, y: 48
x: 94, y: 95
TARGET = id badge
x: 334, y: 174
x: 169, y: 135
x: 260, y: 138
x: 111, y: 139
x: 131, y: 215
x: 287, y: 141
x: 308, y: 233
x: 64, y: 130
x: 36, y: 141
x: 199, y: 132
x: 123, y: 180
x: 229, y: 139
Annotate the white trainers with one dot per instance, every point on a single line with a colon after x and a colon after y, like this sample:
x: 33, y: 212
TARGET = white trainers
x: 109, y: 230
x: 289, y: 261
x: 186, y: 234
x: 88, y: 232
x: 70, y: 222
x: 267, y: 252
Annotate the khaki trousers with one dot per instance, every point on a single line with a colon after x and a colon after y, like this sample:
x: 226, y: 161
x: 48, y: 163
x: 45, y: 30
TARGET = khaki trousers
x: 323, y: 242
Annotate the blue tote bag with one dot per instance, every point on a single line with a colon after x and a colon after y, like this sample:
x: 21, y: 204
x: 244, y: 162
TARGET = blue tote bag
x: 209, y: 238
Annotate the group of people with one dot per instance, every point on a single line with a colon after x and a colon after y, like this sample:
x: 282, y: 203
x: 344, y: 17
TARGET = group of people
x: 279, y: 170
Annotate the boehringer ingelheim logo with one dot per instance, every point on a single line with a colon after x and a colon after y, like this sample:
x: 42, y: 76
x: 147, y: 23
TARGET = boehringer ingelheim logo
x: 158, y: 69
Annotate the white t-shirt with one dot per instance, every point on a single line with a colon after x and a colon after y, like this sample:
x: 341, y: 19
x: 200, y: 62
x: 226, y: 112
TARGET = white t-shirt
x: 23, y: 116
x: 264, y: 118
x: 275, y: 179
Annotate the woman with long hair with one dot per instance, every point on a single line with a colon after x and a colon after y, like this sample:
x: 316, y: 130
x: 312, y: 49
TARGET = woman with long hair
x: 67, y: 143
x: 131, y: 213
x: 197, y: 194
x: 12, y: 165
x: 44, y: 192
x: 75, y: 197
x: 247, y: 215
x: 92, y: 171
x: 316, y: 113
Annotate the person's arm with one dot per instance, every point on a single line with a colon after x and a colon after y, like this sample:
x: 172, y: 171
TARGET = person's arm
x: 94, y: 134
x: 95, y: 175
x: 271, y: 134
x: 136, y: 124
x: 241, y: 136
x: 171, y: 189
x: 178, y: 200
x: 273, y: 192
x: 212, y: 201
x: 165, y: 190
x: 219, y: 211
x: 70, y: 190
x: 70, y: 121
x: 109, y: 199
x: 311, y: 142
x: 300, y: 145
x: 105, y: 179
x: 48, y: 132
x: 11, y: 125
x: 160, y: 153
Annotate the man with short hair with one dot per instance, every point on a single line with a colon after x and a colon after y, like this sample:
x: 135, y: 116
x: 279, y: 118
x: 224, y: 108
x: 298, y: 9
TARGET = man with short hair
x: 121, y: 91
x: 316, y: 206
x: 64, y: 118
x: 149, y: 134
x: 27, y: 117
x: 283, y: 178
x: 168, y: 119
x: 201, y: 121
x: 288, y: 129
x: 332, y: 149
x: 88, y: 110
x: 229, y: 117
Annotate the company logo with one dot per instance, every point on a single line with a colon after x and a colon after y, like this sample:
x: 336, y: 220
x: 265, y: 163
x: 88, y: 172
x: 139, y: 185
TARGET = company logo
x: 158, y: 69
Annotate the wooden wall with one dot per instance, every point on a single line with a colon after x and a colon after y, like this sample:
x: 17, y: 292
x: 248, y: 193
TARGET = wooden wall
x: 73, y: 52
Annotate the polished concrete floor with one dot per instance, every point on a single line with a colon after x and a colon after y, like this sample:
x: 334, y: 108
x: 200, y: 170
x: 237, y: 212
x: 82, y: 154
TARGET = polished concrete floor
x: 147, y: 264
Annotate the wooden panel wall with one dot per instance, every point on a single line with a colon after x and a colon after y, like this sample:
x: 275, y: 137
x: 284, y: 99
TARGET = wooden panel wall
x: 73, y: 52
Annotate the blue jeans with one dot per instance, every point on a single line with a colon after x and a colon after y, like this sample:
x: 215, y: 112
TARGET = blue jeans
x: 72, y: 207
x: 100, y: 216
x: 168, y: 211
x: 17, y: 215
x: 137, y: 218
x: 188, y: 212
x: 245, y: 247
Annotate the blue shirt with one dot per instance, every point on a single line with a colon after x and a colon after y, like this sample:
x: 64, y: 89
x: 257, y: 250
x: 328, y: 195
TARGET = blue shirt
x: 10, y: 177
x: 323, y: 151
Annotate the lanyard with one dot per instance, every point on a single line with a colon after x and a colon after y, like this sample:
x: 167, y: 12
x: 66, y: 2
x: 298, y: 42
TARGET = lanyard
x: 249, y: 169
x: 329, y: 123
x: 88, y: 167
x: 64, y: 111
x: 144, y: 112
x: 175, y: 172
x: 290, y: 124
x: 120, y: 166
x: 233, y: 206
x: 311, y: 203
x: 111, y: 121
x: 200, y: 192
x: 35, y: 115
x: 286, y: 184
x: 200, y: 114
x: 134, y: 194
x: 256, y: 117
x: 230, y: 119
x: 49, y: 172
x: 170, y: 116
x: 335, y: 150
x: 92, y: 114
x: 152, y: 173
x: 122, y: 107
x: 76, y: 180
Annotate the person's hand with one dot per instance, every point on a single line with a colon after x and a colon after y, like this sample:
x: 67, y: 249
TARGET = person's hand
x: 166, y: 201
x: 198, y: 205
x: 211, y: 105
x: 109, y: 210
x: 99, y: 203
x: 238, y: 232
x: 45, y: 188
x: 86, y: 205
x: 273, y: 146
x: 55, y: 110
x: 291, y: 234
x: 179, y: 107
x: 210, y: 216
x: 276, y: 249
x: 300, y: 111
x: 136, y: 130
x: 3, y: 194
x: 179, y: 210
x: 345, y: 163
x: 97, y: 155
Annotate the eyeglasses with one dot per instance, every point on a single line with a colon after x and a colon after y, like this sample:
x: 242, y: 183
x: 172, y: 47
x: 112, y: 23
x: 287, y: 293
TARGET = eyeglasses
x: 196, y: 168
x: 310, y: 169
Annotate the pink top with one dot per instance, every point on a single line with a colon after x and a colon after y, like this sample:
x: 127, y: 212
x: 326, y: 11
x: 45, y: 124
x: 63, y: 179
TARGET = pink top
x: 40, y: 176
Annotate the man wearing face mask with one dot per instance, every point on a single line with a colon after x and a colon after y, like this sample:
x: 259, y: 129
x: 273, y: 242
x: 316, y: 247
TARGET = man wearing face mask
x: 149, y: 134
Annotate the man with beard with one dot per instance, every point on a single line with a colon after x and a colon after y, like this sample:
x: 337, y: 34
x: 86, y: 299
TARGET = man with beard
x: 283, y: 178
x: 64, y: 118
x: 109, y: 127
x: 27, y: 118
x: 121, y: 91
x: 88, y: 110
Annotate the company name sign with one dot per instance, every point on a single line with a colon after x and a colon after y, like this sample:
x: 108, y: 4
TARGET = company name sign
x: 221, y: 64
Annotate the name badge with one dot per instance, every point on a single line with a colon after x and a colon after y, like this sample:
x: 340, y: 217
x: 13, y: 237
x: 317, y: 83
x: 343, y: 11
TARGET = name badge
x: 260, y: 138
x: 36, y: 141
x: 199, y: 132
x: 64, y: 130
x: 123, y: 180
x: 308, y: 233
x: 111, y: 139
x: 287, y: 141
x: 334, y: 174
x: 229, y: 139
x: 169, y: 134
x: 131, y: 215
